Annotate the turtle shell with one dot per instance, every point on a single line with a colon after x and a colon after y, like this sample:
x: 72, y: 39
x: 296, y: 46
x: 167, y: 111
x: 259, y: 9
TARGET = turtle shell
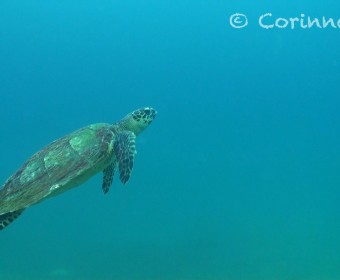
x: 63, y: 164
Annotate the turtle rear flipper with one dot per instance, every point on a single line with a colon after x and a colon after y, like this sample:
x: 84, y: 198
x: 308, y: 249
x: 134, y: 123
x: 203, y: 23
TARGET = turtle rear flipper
x: 7, y: 218
x: 125, y: 150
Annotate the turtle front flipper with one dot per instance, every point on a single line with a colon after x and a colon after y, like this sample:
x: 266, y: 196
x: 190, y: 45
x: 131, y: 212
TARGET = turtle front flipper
x: 108, y: 177
x: 125, y: 150
x: 7, y: 218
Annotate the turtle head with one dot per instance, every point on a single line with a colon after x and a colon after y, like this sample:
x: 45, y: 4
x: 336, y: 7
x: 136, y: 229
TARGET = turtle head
x: 137, y: 120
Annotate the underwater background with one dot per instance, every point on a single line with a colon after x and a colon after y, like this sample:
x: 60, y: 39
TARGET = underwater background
x: 237, y: 178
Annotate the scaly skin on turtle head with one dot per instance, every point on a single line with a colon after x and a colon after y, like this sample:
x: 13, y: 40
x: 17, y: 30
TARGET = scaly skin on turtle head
x: 137, y: 120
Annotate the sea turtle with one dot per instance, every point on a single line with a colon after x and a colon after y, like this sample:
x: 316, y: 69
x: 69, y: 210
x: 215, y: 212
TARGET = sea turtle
x: 71, y: 160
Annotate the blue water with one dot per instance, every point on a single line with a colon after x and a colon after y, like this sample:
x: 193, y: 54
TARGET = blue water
x: 237, y: 178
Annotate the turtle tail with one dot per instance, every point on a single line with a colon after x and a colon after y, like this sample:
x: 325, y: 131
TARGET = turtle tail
x: 7, y: 218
